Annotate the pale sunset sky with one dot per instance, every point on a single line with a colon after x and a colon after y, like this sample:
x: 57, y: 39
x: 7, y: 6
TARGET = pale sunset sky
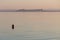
x: 29, y: 4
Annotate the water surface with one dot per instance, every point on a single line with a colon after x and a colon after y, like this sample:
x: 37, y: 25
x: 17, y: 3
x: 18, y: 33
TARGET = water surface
x: 30, y: 25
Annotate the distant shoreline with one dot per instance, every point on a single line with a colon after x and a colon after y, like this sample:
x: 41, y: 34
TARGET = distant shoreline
x: 30, y: 10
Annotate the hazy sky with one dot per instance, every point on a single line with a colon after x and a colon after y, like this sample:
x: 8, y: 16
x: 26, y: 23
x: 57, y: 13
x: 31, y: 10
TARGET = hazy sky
x: 29, y: 4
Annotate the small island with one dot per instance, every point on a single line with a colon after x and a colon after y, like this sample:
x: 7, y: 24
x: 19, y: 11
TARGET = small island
x: 29, y: 10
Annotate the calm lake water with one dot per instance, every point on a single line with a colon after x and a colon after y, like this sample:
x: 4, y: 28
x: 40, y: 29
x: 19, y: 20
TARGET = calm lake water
x: 30, y: 25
